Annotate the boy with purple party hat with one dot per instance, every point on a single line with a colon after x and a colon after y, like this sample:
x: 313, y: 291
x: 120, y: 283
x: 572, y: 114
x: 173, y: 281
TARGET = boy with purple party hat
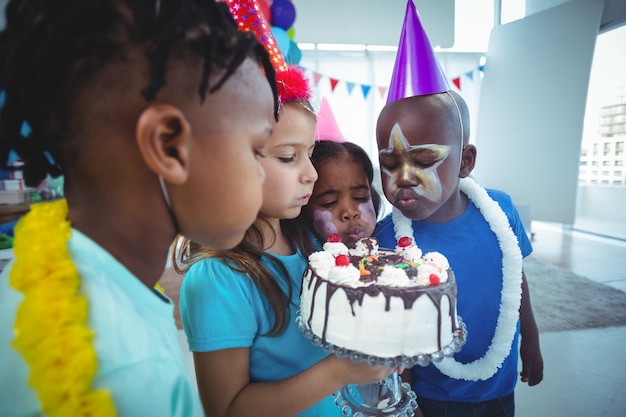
x: 426, y: 161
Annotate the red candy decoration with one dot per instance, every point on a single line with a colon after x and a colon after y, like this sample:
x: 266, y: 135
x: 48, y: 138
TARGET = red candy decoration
x: 334, y: 238
x: 434, y: 279
x: 342, y: 260
x: 405, y: 241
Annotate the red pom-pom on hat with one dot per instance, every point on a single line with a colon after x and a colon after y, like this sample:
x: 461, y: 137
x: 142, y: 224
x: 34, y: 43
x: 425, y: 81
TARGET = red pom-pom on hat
x: 292, y: 85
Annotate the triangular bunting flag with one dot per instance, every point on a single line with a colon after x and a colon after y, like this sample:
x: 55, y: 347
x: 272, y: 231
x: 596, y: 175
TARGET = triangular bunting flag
x: 366, y: 90
x: 333, y: 83
x: 457, y: 82
x: 470, y: 75
x: 350, y: 86
x: 382, y: 91
x: 316, y: 78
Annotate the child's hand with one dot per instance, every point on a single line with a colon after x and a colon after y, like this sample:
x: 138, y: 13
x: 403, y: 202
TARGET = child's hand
x: 532, y: 363
x: 350, y: 372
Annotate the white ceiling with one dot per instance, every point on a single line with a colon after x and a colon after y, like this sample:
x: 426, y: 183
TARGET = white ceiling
x: 613, y: 15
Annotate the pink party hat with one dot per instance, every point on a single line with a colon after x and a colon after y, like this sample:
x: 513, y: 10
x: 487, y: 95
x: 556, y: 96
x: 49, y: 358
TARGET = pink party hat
x: 416, y: 62
x: 327, y: 127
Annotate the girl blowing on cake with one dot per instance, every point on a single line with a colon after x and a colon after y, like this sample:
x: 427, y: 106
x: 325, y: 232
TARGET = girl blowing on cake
x: 344, y: 200
x: 138, y: 105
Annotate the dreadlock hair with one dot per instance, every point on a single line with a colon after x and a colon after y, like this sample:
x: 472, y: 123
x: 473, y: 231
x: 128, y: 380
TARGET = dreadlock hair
x: 330, y: 151
x: 50, y: 49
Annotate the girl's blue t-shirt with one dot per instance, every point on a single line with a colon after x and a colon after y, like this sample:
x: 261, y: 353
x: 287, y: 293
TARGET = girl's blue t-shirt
x: 221, y: 308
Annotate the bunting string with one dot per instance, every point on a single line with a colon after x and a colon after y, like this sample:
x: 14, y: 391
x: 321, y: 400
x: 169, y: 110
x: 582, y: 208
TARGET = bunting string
x: 365, y: 89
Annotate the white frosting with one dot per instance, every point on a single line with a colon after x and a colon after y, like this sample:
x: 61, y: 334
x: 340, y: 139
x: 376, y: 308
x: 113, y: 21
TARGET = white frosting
x: 336, y: 248
x: 393, y: 277
x: 345, y: 275
x: 362, y: 247
x: 322, y: 262
x: 426, y: 270
x: 410, y: 253
x: 438, y: 258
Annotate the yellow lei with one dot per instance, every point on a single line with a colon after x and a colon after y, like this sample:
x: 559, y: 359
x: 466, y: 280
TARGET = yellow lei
x: 51, y: 323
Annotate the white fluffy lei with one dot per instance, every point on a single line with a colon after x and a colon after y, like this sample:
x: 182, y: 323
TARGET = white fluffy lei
x: 486, y: 366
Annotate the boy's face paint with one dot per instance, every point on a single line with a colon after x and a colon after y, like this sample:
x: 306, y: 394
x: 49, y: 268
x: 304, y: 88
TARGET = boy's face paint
x: 420, y: 142
x: 411, y: 169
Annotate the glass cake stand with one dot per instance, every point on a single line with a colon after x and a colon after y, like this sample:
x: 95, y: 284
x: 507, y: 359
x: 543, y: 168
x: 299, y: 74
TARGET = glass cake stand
x: 390, y: 397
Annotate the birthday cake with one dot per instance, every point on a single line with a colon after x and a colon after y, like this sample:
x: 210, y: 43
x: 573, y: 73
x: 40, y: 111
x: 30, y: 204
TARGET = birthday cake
x: 381, y: 303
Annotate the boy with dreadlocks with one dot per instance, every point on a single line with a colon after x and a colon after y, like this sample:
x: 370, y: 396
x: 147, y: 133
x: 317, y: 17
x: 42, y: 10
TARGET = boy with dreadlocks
x: 138, y: 104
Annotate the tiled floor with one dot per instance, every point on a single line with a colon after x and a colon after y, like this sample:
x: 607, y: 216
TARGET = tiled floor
x: 585, y: 370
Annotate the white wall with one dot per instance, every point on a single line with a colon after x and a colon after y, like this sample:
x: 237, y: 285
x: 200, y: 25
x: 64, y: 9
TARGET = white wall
x: 532, y: 107
x: 376, y: 22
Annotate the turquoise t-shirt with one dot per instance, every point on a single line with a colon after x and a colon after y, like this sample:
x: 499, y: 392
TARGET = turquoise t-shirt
x: 221, y: 308
x: 139, y: 356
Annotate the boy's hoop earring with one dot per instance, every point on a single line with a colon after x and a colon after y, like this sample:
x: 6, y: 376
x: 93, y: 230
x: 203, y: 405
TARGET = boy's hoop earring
x: 168, y: 203
x: 166, y: 195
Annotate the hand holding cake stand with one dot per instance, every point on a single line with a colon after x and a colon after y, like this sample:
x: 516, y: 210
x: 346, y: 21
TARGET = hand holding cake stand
x: 390, y: 397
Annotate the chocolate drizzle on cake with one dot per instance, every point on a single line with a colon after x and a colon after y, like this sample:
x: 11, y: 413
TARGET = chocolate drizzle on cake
x: 409, y: 295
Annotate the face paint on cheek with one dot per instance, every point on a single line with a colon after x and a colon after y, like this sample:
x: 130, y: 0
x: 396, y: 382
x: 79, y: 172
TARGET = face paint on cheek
x: 423, y: 182
x: 323, y: 223
x: 368, y: 214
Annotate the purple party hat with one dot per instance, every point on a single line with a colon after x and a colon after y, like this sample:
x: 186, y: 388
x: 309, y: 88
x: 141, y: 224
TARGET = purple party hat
x: 416, y: 63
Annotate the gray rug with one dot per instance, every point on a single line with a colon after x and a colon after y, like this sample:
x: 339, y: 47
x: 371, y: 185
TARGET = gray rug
x: 562, y: 300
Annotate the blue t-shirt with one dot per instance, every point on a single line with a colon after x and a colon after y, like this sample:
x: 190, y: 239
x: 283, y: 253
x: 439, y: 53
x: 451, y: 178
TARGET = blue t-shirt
x: 135, y: 337
x: 476, y: 259
x: 221, y: 308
